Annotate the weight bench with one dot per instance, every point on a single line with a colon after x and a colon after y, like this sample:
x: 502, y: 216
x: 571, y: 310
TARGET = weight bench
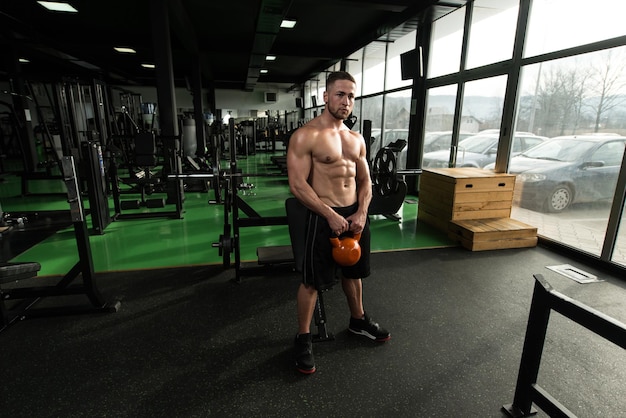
x: 27, y: 296
x: 9, y: 273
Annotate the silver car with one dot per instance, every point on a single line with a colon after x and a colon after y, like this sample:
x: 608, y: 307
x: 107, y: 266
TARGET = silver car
x: 480, y: 150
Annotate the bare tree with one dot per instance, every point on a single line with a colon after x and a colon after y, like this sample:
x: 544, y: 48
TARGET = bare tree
x: 608, y: 84
x: 560, y: 96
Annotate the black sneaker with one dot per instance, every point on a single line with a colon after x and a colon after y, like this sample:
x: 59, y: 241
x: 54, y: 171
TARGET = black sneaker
x: 303, y: 353
x: 369, y: 328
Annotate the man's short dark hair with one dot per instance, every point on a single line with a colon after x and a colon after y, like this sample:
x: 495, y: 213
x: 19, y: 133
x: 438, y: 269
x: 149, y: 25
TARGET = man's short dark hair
x: 338, y: 75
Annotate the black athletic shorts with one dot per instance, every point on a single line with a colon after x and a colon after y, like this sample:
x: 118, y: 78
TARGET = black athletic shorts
x: 320, y: 269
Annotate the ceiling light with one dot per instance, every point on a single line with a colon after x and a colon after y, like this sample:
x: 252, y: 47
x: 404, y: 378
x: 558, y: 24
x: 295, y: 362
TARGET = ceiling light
x: 263, y: 71
x: 124, y: 49
x: 270, y: 58
x: 23, y: 60
x: 148, y: 66
x: 288, y: 23
x: 58, y: 6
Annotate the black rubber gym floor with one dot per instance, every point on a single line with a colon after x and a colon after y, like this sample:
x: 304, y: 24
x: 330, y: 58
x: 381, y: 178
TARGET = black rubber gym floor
x: 188, y: 342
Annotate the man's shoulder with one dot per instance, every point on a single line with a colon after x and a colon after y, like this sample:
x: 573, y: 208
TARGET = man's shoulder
x: 310, y: 128
x: 315, y: 124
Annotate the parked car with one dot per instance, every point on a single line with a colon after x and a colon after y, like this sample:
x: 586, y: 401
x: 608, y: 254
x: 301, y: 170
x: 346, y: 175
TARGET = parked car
x: 565, y: 170
x: 480, y: 150
x: 441, y: 140
x: 433, y: 141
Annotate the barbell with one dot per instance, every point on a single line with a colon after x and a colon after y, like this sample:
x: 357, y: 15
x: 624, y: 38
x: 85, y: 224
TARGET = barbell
x: 384, y: 173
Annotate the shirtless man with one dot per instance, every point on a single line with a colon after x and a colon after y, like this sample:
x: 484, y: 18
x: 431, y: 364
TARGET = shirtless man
x: 329, y: 174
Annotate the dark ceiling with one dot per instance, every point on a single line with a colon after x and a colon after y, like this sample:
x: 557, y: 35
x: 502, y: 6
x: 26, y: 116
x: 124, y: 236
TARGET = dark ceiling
x: 226, y: 39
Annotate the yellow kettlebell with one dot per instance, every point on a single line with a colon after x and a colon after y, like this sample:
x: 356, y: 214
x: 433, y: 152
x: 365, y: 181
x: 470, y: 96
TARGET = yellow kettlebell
x: 346, y: 250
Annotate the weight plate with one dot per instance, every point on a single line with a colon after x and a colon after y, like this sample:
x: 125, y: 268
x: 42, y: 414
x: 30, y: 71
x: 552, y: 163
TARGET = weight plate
x: 226, y: 246
x: 384, y: 172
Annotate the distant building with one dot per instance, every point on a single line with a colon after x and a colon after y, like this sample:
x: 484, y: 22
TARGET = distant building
x: 441, y: 119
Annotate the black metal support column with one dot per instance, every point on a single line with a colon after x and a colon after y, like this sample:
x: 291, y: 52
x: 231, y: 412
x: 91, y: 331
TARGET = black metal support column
x: 21, y: 109
x: 164, y: 68
x: 166, y: 96
x: 417, y: 119
x: 198, y: 107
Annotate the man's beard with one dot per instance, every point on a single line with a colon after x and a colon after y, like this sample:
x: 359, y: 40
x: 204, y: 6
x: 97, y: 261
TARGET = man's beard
x: 337, y: 114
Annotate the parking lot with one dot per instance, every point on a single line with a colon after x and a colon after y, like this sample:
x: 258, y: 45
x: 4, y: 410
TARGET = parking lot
x: 582, y: 226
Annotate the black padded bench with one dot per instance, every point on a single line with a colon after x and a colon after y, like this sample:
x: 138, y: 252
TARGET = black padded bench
x: 9, y: 273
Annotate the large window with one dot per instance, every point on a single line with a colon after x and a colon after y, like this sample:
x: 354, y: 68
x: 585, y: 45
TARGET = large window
x: 567, y: 142
x: 481, y: 112
x: 492, y: 32
x: 440, y: 102
x: 483, y: 101
x: 372, y: 109
x: 374, y: 68
x: 560, y: 24
x: 575, y: 95
x: 397, y: 112
x: 581, y: 102
x: 445, y: 52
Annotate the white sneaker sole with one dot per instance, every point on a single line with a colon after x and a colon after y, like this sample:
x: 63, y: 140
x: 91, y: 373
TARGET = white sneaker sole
x: 368, y: 335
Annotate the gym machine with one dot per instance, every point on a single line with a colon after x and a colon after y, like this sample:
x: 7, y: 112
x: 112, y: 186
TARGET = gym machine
x: 140, y: 154
x: 96, y: 180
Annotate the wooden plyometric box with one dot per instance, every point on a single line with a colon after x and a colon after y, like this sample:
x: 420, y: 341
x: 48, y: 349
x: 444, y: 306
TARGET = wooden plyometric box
x: 448, y: 194
x: 492, y: 234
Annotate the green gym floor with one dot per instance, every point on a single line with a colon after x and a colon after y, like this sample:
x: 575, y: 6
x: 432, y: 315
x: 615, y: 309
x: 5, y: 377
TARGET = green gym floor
x: 162, y: 242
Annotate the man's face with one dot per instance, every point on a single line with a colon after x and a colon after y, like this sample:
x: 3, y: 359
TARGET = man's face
x: 340, y: 99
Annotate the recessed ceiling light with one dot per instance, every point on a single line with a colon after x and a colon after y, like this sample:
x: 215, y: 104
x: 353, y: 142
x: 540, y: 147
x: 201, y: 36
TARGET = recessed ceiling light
x: 124, y: 49
x: 23, y: 60
x: 263, y: 71
x: 148, y: 65
x: 270, y: 58
x: 58, y: 6
x: 288, y: 23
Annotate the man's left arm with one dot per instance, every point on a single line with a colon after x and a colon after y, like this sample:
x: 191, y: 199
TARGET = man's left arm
x: 364, y: 191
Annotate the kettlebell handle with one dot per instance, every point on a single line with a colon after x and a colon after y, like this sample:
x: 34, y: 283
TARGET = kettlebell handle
x: 341, y: 236
x: 335, y: 240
